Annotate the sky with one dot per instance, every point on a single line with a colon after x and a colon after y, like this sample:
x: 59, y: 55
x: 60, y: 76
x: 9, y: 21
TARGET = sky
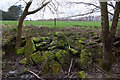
x: 65, y: 9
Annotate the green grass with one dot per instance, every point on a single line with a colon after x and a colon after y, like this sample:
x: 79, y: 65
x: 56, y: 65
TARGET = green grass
x: 60, y: 24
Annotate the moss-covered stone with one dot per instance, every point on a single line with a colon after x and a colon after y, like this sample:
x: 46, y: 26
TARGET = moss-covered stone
x: 73, y: 51
x: 23, y: 61
x: 29, y: 48
x: 37, y: 39
x: 55, y: 67
x: 91, y: 43
x: 81, y: 74
x: 43, y: 44
x: 81, y: 41
x: 3, y: 53
x: 47, y: 55
x: 53, y: 43
x: 59, y: 57
x: 85, y: 58
x: 47, y: 68
x: 52, y: 48
x: 93, y: 34
x: 20, y: 51
x: 36, y: 57
x: 58, y: 34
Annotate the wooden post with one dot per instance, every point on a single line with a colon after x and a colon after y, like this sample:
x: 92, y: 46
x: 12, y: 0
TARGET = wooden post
x: 55, y: 22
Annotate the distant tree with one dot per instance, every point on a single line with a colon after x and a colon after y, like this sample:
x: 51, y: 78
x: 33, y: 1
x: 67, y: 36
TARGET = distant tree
x: 13, y: 13
x: 3, y: 14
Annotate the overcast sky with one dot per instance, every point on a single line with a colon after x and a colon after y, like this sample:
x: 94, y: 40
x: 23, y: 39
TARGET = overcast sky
x: 66, y: 8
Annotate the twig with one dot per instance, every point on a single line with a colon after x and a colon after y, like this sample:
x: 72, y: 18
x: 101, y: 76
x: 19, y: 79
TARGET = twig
x: 70, y: 66
x: 17, y: 2
x: 25, y: 1
x: 34, y: 74
x: 73, y: 74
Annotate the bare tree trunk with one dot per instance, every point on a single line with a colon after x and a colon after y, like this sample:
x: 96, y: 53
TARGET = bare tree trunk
x: 24, y: 14
x: 107, y: 46
x: 107, y: 35
x: 19, y: 29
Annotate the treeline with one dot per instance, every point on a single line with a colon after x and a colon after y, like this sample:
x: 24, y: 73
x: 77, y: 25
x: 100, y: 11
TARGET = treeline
x: 13, y: 13
x: 88, y: 18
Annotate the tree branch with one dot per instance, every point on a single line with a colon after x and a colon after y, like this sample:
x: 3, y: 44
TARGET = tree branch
x: 111, y: 4
x: 93, y: 10
x: 32, y: 12
x: 115, y: 19
x: 70, y: 66
x: 91, y: 4
x: 28, y: 5
x: 25, y: 1
x: 85, y: 4
x: 38, y: 77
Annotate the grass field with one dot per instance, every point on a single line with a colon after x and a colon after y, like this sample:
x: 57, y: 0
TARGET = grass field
x: 60, y: 24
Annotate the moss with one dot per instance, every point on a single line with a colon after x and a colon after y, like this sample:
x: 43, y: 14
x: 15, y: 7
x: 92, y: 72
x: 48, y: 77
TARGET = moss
x: 76, y: 38
x: 60, y: 43
x: 73, y: 51
x: 47, y: 68
x: 55, y: 67
x: 80, y: 46
x: 23, y: 61
x: 41, y: 44
x: 93, y: 34
x: 3, y: 53
x: 20, y: 51
x: 37, y: 39
x: 57, y: 34
x: 52, y: 43
x: 61, y: 55
x: 52, y: 48
x: 85, y: 58
x: 47, y: 55
x: 81, y: 41
x: 49, y: 34
x: 81, y: 74
x: 91, y: 43
x: 36, y: 57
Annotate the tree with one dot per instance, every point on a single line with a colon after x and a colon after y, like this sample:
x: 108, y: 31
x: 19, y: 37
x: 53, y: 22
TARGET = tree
x: 108, y: 34
x: 22, y: 17
x: 96, y: 7
x: 14, y: 12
